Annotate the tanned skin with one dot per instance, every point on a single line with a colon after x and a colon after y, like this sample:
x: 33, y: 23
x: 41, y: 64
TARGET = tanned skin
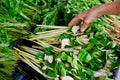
x: 86, y: 17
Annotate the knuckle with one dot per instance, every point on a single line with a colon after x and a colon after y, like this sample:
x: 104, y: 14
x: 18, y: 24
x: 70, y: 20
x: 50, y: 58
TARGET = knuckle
x: 80, y: 17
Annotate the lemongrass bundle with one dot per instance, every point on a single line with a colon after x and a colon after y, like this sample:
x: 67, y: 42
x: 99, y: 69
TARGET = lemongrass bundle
x: 113, y: 33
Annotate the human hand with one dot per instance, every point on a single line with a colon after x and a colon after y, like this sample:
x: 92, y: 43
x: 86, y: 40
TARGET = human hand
x: 84, y: 18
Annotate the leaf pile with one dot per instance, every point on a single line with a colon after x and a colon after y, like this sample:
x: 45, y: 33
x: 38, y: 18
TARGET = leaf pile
x: 86, y: 55
x: 17, y: 16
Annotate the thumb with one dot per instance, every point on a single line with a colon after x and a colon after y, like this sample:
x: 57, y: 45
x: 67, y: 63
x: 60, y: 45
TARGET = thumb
x: 83, y: 27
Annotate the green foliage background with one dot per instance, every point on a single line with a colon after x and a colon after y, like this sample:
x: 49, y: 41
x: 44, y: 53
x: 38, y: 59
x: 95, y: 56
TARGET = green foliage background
x: 17, y: 16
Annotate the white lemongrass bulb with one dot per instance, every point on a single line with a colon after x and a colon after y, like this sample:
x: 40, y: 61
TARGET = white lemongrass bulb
x: 49, y: 58
x: 65, y: 42
x: 75, y: 29
x: 67, y: 78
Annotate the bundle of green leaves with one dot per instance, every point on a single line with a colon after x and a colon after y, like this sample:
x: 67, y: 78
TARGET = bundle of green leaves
x: 83, y: 56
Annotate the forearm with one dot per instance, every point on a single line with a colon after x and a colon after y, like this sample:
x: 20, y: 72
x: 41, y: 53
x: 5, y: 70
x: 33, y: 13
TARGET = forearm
x: 109, y: 8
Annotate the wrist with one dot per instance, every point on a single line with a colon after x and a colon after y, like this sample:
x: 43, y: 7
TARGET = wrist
x: 97, y: 11
x: 101, y: 10
x: 109, y: 8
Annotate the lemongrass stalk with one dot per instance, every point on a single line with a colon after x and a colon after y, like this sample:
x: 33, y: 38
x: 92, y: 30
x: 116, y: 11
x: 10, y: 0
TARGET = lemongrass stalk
x: 24, y: 53
x: 53, y: 27
x: 30, y: 7
x: 52, y: 31
x: 50, y: 34
x: 112, y: 17
x: 16, y: 53
x: 47, y: 34
x: 17, y: 31
x: 44, y: 32
x: 27, y: 55
x: 41, y: 43
x: 78, y: 34
x: 44, y: 45
x: 34, y: 67
x: 7, y: 24
x: 36, y: 64
x: 24, y: 16
x: 55, y: 49
x: 3, y: 59
x: 48, y: 45
x: 35, y: 61
x: 37, y: 47
x: 51, y: 40
x: 32, y: 60
x: 108, y: 20
x: 31, y: 50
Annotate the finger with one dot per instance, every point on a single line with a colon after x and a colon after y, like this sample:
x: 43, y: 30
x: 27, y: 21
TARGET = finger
x: 77, y: 20
x: 83, y: 27
x: 74, y: 21
x: 86, y: 22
